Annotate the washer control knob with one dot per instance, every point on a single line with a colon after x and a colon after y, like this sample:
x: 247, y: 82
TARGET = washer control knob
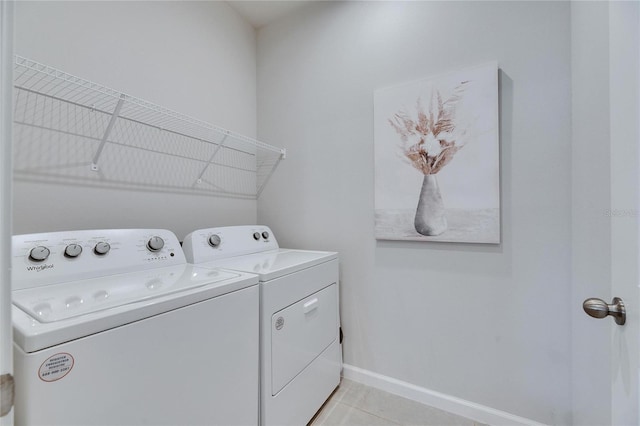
x: 214, y: 240
x: 39, y: 253
x: 102, y: 248
x: 155, y: 244
x: 73, y: 250
x: 265, y: 235
x: 256, y: 236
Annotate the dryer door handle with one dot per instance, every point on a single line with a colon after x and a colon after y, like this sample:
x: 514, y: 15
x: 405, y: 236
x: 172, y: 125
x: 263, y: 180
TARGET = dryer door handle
x: 310, y: 305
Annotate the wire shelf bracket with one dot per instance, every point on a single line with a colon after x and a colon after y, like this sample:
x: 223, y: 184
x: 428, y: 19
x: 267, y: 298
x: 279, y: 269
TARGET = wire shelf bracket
x: 199, y: 179
x: 105, y: 138
x: 64, y: 123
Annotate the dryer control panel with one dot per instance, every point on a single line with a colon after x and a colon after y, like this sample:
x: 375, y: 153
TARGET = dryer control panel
x: 49, y: 258
x: 209, y: 244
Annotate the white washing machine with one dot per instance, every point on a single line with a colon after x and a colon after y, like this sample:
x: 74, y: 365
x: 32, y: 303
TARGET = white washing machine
x: 113, y: 327
x: 301, y: 357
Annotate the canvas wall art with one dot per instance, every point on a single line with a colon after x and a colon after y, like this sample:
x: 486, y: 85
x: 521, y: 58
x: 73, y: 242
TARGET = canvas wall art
x: 437, y: 158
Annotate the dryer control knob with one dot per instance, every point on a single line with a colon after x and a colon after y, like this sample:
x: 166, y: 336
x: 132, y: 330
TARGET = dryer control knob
x: 256, y: 236
x: 102, y: 248
x: 265, y: 235
x: 155, y: 244
x: 214, y: 240
x: 73, y: 250
x: 39, y: 253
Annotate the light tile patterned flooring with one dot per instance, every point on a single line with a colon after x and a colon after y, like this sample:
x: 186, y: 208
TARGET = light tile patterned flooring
x: 354, y: 404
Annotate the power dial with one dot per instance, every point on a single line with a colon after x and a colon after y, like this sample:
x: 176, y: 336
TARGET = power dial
x: 155, y: 244
x: 214, y: 240
x: 39, y: 253
x: 256, y: 236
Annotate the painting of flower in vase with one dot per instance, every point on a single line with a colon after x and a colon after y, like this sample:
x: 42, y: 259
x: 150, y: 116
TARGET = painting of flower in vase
x: 437, y: 158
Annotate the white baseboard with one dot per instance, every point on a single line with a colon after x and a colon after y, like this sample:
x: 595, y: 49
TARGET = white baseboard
x: 461, y: 407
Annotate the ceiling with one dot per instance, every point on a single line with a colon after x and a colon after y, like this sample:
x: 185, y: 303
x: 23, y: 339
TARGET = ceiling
x: 261, y: 13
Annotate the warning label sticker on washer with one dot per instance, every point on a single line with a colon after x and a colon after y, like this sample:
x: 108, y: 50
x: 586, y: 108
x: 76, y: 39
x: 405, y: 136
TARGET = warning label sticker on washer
x: 56, y: 367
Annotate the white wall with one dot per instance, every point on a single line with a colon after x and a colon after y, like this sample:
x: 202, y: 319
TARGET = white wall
x: 485, y: 323
x: 198, y: 58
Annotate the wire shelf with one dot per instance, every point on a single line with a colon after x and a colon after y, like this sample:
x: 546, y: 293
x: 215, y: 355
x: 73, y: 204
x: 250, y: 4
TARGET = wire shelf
x: 68, y: 130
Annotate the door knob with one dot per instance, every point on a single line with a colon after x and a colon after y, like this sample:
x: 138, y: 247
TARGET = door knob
x: 598, y: 308
x: 6, y: 394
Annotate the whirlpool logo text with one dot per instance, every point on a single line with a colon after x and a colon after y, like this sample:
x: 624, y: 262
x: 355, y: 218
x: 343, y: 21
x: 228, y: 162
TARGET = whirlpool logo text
x: 40, y: 268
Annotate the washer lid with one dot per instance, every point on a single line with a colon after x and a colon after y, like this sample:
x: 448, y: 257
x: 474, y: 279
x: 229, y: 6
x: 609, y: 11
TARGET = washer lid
x: 49, y: 315
x: 67, y: 300
x: 274, y: 263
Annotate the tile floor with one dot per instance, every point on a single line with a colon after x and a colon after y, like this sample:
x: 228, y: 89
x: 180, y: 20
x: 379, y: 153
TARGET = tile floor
x: 354, y: 404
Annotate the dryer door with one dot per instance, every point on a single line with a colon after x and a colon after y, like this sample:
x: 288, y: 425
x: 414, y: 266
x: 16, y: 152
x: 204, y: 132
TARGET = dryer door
x: 300, y: 332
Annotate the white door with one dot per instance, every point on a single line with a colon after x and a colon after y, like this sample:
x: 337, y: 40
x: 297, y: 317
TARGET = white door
x: 6, y: 101
x: 606, y: 210
x: 624, y: 68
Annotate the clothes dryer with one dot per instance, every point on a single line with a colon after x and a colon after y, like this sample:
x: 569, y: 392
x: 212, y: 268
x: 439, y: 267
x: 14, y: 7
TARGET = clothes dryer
x: 114, y: 327
x: 300, y: 356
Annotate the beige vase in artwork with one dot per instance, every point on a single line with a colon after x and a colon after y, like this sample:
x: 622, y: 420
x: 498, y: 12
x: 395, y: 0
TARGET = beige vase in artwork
x: 430, y: 219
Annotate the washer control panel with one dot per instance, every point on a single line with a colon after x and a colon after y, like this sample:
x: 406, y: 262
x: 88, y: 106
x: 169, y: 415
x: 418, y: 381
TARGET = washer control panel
x: 204, y: 245
x: 49, y: 258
